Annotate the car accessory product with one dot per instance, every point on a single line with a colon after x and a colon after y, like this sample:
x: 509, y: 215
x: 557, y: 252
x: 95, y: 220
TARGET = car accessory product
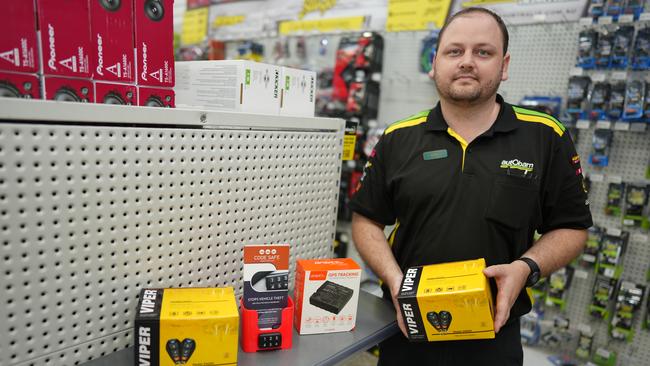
x: 255, y: 338
x: 641, y: 53
x: 634, y: 100
x: 615, y: 193
x: 599, y: 101
x: 587, y: 42
x: 604, y: 49
x: 331, y: 297
x: 274, y: 280
x: 601, y: 143
x: 434, y: 319
x: 628, y: 301
x: 188, y: 347
x: 622, y: 45
x: 577, y: 95
x: 616, y: 101
x: 592, y: 247
x: 19, y: 86
x: 174, y: 350
x: 636, y: 199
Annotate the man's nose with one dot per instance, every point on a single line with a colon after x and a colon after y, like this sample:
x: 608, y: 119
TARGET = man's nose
x: 467, y: 61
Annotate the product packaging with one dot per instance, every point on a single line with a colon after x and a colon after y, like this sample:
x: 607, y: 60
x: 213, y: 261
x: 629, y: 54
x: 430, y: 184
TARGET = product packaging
x: 189, y: 326
x: 449, y: 301
x: 326, y: 294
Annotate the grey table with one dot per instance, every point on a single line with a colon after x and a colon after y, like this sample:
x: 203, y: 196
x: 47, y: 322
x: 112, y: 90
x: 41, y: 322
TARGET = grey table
x: 375, y: 322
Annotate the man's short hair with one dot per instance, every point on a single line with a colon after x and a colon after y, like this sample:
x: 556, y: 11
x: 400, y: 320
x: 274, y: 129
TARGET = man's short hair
x: 476, y: 9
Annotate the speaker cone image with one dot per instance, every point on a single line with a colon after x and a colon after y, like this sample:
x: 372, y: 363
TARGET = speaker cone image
x: 113, y: 98
x: 111, y: 5
x: 8, y: 90
x: 66, y: 95
x: 154, y: 10
x: 154, y: 101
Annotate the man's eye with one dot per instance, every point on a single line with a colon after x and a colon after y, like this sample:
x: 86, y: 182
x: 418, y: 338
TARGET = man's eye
x: 483, y: 53
x: 454, y: 51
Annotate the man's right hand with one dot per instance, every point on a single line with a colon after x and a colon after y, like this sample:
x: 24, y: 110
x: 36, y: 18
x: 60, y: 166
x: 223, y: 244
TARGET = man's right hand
x: 394, y: 291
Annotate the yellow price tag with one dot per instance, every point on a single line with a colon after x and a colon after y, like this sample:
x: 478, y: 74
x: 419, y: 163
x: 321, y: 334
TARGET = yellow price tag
x: 195, y: 26
x: 413, y: 15
x: 322, y: 25
x: 349, y: 140
x: 227, y: 20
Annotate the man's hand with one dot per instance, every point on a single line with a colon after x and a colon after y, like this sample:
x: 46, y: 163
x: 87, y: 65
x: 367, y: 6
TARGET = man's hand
x: 394, y: 291
x: 510, y: 279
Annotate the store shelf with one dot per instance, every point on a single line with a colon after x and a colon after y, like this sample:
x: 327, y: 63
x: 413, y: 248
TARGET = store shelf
x: 375, y: 322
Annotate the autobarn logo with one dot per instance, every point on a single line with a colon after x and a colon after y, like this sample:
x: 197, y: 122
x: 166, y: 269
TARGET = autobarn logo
x: 517, y: 164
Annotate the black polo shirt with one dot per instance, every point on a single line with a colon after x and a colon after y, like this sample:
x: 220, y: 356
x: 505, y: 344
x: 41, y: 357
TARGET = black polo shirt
x: 451, y: 201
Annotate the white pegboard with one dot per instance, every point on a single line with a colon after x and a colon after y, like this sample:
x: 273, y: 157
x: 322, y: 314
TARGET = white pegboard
x: 91, y: 212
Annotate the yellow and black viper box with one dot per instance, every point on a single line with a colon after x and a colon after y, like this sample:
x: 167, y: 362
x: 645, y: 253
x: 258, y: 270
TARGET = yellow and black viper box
x: 186, y: 326
x: 449, y: 301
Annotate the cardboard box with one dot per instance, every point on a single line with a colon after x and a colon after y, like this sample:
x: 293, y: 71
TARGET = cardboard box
x: 156, y: 97
x: 15, y: 85
x: 326, y: 295
x: 449, y: 301
x: 111, y: 93
x: 65, y: 37
x: 111, y: 25
x: 237, y: 86
x: 18, y: 44
x: 298, y: 92
x: 266, y: 280
x: 154, y: 42
x: 68, y: 89
x: 193, y: 326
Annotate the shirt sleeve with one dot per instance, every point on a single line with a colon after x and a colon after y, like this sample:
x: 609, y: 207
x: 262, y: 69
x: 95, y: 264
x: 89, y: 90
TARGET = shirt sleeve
x: 564, y: 202
x: 372, y: 198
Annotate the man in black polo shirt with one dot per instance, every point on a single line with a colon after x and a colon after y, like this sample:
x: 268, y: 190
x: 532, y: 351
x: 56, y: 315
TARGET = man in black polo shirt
x: 475, y: 177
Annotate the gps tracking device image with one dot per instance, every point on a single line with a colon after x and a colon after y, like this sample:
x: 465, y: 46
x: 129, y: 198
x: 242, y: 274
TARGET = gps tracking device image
x: 331, y: 297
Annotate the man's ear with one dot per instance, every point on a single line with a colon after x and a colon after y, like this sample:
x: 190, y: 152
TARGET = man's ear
x: 504, y: 67
x: 433, y: 65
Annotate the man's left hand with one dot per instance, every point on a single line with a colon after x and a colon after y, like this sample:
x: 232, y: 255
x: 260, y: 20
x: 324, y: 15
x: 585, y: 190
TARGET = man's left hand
x: 510, y: 279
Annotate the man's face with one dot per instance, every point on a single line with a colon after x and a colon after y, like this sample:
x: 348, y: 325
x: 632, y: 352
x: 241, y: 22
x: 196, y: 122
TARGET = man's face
x: 470, y: 64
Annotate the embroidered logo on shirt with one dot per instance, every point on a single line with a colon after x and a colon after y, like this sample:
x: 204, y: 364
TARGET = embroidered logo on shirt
x: 517, y: 164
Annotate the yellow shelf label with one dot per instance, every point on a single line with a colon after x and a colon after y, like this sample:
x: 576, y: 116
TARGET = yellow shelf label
x: 195, y: 26
x: 414, y: 15
x: 322, y: 25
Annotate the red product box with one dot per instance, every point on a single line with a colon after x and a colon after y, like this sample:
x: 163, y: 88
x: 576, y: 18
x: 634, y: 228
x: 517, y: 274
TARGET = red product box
x: 111, y: 93
x: 65, y: 37
x: 156, y: 97
x: 68, y: 89
x: 154, y: 42
x: 18, y: 44
x: 112, y: 36
x: 13, y: 85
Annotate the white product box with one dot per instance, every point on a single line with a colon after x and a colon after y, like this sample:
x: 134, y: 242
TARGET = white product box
x: 237, y: 86
x: 326, y: 295
x: 298, y: 92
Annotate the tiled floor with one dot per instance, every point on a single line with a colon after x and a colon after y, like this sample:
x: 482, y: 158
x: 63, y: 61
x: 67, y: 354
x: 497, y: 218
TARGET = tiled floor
x: 532, y: 357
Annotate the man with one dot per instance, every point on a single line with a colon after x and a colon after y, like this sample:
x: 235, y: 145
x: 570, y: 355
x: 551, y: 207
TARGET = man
x: 475, y: 177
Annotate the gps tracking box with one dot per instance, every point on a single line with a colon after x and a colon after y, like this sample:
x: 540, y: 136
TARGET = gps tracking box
x: 449, y: 301
x: 326, y: 293
x: 186, y: 326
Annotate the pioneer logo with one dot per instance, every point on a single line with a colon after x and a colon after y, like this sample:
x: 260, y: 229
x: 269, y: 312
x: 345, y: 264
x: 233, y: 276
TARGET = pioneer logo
x: 11, y: 56
x: 276, y: 84
x: 144, y: 62
x: 100, y: 55
x: 144, y: 348
x: 52, y: 60
x: 408, y: 283
x: 409, y: 317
